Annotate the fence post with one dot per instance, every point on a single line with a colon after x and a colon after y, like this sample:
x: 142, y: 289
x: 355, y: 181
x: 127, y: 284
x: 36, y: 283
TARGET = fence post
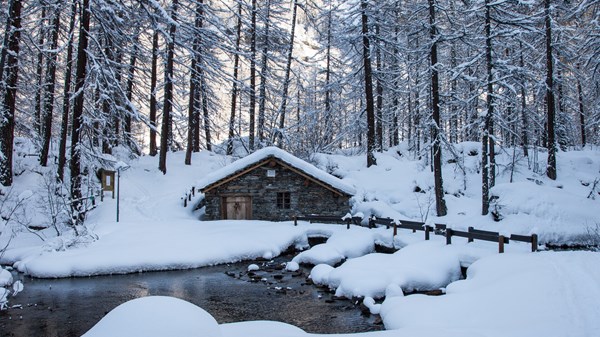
x: 184, y: 202
x: 348, y: 223
x: 193, y: 191
x: 295, y: 220
x: 189, y: 197
x: 470, y: 239
x: 427, y: 230
x: 534, y: 242
x: 448, y: 236
x: 501, y: 244
x: 395, y: 228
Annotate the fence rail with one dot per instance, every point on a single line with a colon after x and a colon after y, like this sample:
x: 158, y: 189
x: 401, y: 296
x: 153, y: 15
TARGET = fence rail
x: 329, y: 218
x: 471, y: 234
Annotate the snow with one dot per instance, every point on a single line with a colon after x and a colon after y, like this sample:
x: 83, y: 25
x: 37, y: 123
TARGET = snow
x: 286, y: 157
x: 512, y: 294
x: 356, y: 241
x: 129, y: 247
x: 156, y: 316
x: 423, y: 266
x: 6, y: 278
x: 253, y: 267
x: 531, y: 294
x: 292, y: 266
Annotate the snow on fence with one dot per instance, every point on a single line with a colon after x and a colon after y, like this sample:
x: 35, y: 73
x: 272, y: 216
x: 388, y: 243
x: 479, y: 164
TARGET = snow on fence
x: 440, y: 229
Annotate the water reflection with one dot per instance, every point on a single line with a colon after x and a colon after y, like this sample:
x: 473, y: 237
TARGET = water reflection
x: 70, y: 307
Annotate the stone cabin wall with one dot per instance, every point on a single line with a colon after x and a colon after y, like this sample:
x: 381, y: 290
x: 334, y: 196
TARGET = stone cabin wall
x: 306, y: 196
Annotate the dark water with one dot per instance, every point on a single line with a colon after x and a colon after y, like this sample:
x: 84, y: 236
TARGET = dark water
x: 70, y: 307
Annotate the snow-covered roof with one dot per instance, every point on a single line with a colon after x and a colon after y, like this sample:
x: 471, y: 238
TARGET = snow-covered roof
x: 275, y: 152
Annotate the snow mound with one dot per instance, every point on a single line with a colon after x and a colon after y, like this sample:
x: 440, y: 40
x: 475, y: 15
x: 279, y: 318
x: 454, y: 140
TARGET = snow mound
x: 550, y: 294
x: 422, y: 266
x: 261, y: 328
x: 6, y: 278
x: 156, y: 316
x: 341, y: 245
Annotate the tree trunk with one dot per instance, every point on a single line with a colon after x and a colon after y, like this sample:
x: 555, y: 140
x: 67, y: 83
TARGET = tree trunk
x: 486, y: 143
x: 524, y: 119
x: 440, y: 202
x: 379, y: 90
x: 9, y: 64
x: 368, y: 73
x: 153, y: 104
x: 49, y: 85
x: 129, y: 95
x: 234, y: 90
x: 205, y: 114
x: 194, y: 85
x: 581, y: 111
x: 252, y: 109
x: 64, y: 127
x: 39, y: 74
x: 78, y: 118
x: 550, y: 106
x: 286, y: 80
x: 262, y: 99
x: 166, y: 127
x: 327, y: 123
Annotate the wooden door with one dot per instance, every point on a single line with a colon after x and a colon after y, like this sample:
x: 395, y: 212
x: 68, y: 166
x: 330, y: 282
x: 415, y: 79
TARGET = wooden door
x: 237, y: 208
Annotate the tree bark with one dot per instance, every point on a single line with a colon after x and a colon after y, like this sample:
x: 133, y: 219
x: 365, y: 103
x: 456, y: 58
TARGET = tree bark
x: 153, y: 103
x: 49, y: 86
x: 262, y: 99
x: 234, y: 90
x: 486, y: 143
x: 194, y: 85
x: 78, y: 118
x: 379, y: 90
x: 581, y: 111
x: 39, y: 74
x: 62, y: 147
x: 252, y: 109
x: 286, y: 80
x: 166, y: 127
x: 524, y: 119
x: 440, y: 202
x: 368, y: 73
x: 9, y: 64
x: 550, y: 105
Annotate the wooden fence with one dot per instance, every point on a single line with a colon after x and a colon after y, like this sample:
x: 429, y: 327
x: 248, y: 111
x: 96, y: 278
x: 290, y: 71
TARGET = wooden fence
x: 471, y: 234
x: 329, y: 218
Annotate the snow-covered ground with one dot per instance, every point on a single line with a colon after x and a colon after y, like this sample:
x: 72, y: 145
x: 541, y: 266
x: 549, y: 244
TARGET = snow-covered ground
x: 548, y: 293
x: 520, y: 294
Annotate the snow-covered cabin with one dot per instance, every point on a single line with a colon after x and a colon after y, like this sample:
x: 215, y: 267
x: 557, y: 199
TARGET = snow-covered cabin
x: 271, y: 184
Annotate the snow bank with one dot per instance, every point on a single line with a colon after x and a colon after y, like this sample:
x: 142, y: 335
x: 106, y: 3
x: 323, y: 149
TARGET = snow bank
x: 533, y: 294
x: 343, y: 244
x: 133, y: 247
x: 156, y: 316
x: 422, y: 266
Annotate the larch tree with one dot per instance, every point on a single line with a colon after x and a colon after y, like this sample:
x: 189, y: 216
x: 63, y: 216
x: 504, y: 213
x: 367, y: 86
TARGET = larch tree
x: 9, y: 74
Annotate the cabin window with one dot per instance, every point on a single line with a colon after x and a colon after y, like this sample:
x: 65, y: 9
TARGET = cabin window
x: 283, y: 200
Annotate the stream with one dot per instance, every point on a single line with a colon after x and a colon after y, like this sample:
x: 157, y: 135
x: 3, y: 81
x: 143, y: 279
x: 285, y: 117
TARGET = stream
x: 70, y: 307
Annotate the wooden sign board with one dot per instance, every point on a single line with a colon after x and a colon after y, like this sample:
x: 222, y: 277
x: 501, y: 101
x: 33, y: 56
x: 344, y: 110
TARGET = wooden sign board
x: 108, y: 182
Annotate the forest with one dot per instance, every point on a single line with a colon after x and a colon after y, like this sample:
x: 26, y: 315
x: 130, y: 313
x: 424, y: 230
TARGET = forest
x: 81, y: 79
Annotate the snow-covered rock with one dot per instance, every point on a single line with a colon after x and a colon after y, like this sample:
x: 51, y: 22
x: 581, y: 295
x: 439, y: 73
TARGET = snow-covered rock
x: 156, y: 316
